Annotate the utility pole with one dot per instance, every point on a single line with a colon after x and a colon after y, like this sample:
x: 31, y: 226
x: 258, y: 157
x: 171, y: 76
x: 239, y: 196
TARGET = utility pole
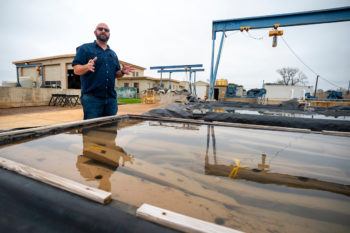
x: 161, y: 79
x: 316, y: 86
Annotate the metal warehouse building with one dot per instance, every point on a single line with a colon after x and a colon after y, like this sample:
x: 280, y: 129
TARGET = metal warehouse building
x: 56, y: 71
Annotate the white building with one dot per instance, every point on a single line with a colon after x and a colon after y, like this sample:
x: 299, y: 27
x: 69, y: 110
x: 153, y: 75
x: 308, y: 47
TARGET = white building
x: 201, y: 88
x: 283, y: 92
x: 57, y: 71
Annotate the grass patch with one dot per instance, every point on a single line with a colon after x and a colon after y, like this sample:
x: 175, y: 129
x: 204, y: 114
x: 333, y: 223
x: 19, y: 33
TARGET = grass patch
x: 129, y: 101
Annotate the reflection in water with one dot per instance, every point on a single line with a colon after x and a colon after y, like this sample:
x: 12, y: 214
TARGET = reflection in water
x: 182, y: 126
x: 282, y: 114
x: 262, y: 175
x: 210, y: 132
x: 263, y: 166
x: 101, y: 156
x: 170, y: 166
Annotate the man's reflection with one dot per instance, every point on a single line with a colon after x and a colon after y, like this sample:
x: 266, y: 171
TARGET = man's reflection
x: 101, y: 156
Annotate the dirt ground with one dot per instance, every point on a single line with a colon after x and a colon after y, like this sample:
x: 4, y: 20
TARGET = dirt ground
x: 13, y: 118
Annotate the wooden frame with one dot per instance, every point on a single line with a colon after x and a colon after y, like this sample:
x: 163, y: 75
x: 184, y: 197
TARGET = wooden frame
x: 90, y: 193
x: 178, y: 221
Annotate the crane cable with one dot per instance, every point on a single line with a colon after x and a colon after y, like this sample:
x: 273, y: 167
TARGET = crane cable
x: 294, y: 53
x: 249, y: 35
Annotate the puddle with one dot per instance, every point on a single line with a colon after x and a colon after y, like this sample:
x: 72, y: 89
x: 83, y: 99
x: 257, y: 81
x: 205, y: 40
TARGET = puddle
x: 283, y: 114
x: 193, y: 169
x: 310, y: 116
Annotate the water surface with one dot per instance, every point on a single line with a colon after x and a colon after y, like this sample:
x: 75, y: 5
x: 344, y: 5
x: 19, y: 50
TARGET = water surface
x: 174, y: 166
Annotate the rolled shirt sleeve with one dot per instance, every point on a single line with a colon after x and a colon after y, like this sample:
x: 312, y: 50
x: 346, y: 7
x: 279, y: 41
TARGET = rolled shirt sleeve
x: 80, y: 57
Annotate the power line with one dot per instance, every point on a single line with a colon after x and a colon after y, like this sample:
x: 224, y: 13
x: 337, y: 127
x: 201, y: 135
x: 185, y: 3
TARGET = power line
x: 249, y: 35
x: 298, y: 56
x: 329, y: 82
x: 286, y: 147
x: 294, y: 53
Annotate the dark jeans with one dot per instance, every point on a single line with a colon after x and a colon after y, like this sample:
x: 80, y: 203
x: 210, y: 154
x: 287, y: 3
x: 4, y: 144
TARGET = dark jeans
x: 98, y: 107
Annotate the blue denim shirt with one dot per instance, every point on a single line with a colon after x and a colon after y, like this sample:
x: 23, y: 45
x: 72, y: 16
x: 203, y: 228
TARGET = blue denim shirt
x: 100, y: 83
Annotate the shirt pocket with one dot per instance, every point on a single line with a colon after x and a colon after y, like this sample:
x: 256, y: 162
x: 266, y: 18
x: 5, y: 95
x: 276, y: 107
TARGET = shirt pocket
x: 112, y: 61
x: 92, y: 55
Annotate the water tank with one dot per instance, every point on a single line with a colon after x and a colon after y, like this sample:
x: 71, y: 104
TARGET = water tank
x: 26, y: 81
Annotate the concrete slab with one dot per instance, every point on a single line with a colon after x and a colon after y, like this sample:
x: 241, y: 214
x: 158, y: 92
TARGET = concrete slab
x: 22, y: 117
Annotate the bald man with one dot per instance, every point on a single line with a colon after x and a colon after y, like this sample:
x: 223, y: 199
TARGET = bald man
x: 98, y: 67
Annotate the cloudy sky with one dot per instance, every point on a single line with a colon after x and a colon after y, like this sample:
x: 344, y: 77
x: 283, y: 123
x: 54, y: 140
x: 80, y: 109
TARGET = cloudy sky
x: 170, y: 32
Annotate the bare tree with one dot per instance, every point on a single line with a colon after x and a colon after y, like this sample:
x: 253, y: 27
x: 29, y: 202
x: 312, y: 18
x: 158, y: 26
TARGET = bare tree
x: 302, y: 78
x: 291, y: 76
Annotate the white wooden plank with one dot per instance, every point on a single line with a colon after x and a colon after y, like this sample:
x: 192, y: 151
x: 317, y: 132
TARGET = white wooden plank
x: 178, y: 221
x: 94, y: 194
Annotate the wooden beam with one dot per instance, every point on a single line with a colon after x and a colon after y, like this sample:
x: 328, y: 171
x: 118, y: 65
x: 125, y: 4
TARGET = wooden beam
x: 336, y: 133
x: 263, y: 177
x: 178, y: 221
x: 93, y: 194
x: 15, y: 135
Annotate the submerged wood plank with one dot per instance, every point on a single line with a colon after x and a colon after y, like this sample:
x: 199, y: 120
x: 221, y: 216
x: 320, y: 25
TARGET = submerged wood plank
x: 94, y: 194
x: 277, y: 178
x: 336, y: 133
x: 178, y: 221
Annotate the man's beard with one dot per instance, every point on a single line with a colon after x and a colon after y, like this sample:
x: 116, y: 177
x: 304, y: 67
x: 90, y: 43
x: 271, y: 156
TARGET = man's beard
x: 102, y: 37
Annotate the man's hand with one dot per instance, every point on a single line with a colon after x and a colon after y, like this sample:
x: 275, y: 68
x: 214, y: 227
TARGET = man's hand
x: 127, y: 69
x: 91, y: 65
x: 83, y: 69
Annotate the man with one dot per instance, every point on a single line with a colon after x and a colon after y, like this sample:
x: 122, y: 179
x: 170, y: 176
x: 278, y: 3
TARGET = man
x: 98, y: 67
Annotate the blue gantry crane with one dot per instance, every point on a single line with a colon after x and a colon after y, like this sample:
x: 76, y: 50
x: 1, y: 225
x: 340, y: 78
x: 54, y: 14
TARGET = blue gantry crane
x: 179, y: 68
x: 191, y: 81
x: 270, y: 21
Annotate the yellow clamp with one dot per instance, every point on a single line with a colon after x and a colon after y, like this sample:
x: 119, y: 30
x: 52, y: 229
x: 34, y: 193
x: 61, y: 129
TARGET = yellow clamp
x: 235, y: 169
x: 276, y: 32
x: 244, y: 28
